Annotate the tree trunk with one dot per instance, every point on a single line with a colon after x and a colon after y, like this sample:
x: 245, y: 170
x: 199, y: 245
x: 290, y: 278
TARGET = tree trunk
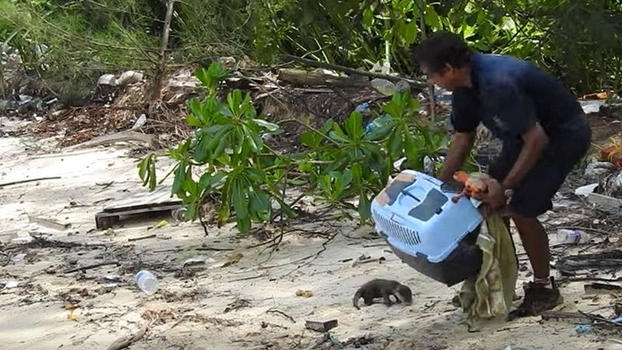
x: 432, y: 98
x: 161, y: 67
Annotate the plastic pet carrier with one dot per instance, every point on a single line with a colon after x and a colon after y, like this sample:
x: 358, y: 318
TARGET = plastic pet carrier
x: 429, y: 232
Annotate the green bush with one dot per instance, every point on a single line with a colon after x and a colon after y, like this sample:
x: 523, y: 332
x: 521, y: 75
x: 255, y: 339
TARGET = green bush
x: 228, y: 158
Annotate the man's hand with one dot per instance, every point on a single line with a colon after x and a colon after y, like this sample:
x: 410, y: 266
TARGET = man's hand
x: 494, y: 197
x: 483, y: 188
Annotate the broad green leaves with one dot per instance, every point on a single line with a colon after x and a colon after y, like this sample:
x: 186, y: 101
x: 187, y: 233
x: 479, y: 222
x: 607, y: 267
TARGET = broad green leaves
x: 146, y: 171
x: 368, y: 18
x: 431, y: 18
x: 340, y: 162
x: 211, y: 77
x: 242, y: 191
x: 228, y: 148
x: 335, y: 184
x: 412, y: 136
x: 356, y: 161
x: 408, y: 32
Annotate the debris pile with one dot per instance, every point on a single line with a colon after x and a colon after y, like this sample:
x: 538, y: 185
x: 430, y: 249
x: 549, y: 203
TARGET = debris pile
x: 123, y: 102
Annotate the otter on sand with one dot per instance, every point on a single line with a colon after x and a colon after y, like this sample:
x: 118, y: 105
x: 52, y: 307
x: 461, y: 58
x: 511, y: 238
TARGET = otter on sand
x: 380, y: 288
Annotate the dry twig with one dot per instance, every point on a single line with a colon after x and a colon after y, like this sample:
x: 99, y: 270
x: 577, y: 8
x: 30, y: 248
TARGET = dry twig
x: 127, y: 341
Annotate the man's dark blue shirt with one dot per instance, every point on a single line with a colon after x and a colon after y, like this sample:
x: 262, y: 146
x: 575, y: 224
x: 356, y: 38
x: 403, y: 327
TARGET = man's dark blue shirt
x: 509, y: 96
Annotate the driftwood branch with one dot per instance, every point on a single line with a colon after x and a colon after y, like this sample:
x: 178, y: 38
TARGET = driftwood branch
x: 213, y: 249
x: 579, y: 317
x: 560, y: 315
x: 600, y: 319
x: 587, y: 278
x: 127, y: 341
x: 313, y: 63
x: 314, y: 78
x: 29, y: 180
x: 273, y: 310
x: 140, y: 238
x: 122, y: 136
x: 605, y: 259
x: 92, y: 266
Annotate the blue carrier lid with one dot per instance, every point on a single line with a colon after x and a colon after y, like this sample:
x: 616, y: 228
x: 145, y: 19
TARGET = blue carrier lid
x: 419, y: 218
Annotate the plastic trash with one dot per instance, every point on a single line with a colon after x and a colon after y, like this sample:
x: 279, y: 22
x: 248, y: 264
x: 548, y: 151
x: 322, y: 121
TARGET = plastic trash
x: 179, y: 214
x: 362, y: 107
x: 397, y: 165
x: 566, y: 236
x: 18, y: 257
x: 129, y: 77
x: 585, y: 190
x: 11, y: 284
x: 112, y: 278
x: 22, y: 240
x: 142, y: 120
x: 583, y: 328
x: 402, y: 86
x: 442, y: 95
x: 384, y: 86
x: 161, y: 224
x: 379, y: 128
x: 193, y: 261
x: 411, y: 212
x: 429, y: 165
x: 147, y: 282
x: 107, y: 79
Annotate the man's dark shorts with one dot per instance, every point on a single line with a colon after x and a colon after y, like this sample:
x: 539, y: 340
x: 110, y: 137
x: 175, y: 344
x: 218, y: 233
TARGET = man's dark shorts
x: 532, y: 196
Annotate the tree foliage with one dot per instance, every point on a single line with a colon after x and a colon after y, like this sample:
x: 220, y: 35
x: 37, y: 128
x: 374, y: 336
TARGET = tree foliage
x: 579, y: 41
x: 576, y: 40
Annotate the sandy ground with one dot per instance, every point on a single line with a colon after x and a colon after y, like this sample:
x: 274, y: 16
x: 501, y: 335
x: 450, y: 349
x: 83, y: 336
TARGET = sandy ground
x: 251, y: 304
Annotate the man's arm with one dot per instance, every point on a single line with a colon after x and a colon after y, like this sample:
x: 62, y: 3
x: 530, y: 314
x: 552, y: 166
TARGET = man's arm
x: 461, y: 144
x: 535, y: 141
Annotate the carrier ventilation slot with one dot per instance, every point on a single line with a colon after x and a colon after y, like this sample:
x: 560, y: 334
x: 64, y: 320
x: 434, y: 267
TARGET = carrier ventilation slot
x: 397, y: 231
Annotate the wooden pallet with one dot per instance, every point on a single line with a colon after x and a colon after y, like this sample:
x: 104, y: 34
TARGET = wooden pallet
x: 112, y: 216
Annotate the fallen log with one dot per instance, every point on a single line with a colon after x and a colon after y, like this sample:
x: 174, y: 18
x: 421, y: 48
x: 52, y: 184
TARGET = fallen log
x: 312, y: 63
x: 122, y: 136
x: 310, y: 78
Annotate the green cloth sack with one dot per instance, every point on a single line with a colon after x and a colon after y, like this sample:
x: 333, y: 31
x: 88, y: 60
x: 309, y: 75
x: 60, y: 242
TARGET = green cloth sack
x: 489, y: 295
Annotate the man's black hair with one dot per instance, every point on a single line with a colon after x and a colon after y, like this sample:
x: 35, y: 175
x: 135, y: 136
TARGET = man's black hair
x: 442, y: 48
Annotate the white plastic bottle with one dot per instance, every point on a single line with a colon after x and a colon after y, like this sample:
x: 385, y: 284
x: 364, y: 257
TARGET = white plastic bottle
x: 566, y: 236
x: 147, y: 282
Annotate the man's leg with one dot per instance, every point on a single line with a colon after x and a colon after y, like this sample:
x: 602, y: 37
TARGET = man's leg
x: 536, y: 244
x: 531, y: 198
x: 541, y: 294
